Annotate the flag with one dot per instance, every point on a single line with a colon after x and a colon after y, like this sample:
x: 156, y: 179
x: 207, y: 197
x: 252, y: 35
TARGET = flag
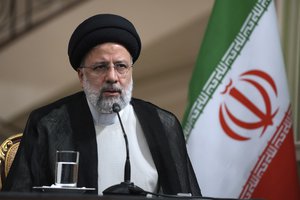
x: 238, y: 121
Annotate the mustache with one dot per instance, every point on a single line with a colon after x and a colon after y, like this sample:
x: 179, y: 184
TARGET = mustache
x: 111, y: 88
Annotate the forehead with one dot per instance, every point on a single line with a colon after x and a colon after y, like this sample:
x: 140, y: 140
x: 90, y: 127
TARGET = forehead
x: 109, y: 50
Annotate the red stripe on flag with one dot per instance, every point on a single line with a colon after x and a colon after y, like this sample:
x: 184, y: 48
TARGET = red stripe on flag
x: 275, y: 173
x: 280, y: 181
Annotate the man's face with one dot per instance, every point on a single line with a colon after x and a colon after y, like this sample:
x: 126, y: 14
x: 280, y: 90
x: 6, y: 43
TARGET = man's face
x: 106, y: 76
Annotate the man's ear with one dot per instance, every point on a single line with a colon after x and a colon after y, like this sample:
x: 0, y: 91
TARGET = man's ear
x: 80, y: 76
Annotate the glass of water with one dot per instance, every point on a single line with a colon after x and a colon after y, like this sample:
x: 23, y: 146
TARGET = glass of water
x: 66, y: 169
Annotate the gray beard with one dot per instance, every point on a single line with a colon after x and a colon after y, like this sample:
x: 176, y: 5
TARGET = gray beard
x: 104, y: 104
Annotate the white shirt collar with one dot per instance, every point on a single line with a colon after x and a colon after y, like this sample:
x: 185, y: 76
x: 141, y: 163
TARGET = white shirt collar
x: 106, y: 118
x: 102, y: 118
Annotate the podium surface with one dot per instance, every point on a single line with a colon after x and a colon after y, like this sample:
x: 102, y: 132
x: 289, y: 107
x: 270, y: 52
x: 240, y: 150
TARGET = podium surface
x: 69, y: 196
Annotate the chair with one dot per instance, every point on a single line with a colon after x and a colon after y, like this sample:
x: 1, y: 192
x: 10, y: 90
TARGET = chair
x: 8, y: 150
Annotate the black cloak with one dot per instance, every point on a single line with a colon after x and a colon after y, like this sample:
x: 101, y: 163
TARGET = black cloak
x: 67, y: 124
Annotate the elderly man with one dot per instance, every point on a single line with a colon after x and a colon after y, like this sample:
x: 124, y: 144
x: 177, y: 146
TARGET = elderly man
x: 102, y: 50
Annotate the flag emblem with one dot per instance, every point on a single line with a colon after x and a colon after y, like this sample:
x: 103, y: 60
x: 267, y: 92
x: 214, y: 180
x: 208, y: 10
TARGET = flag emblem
x: 261, y: 116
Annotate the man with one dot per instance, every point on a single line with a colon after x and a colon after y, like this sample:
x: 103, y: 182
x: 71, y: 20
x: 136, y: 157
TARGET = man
x: 102, y: 50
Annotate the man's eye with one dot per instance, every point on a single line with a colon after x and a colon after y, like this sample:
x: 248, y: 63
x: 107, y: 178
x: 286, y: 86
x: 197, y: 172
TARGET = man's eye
x: 121, y: 65
x: 99, y: 67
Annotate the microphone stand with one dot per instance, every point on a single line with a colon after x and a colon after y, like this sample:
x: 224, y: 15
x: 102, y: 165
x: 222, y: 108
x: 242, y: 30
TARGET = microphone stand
x: 127, y: 187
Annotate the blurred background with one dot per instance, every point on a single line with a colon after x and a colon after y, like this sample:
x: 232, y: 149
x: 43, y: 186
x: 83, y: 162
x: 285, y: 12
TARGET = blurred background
x: 34, y: 66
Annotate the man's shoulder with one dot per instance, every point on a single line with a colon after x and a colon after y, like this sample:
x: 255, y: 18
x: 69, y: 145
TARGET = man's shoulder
x: 142, y: 104
x: 43, y: 110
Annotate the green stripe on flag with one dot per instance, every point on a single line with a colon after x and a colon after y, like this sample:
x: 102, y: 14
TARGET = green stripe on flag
x: 225, y: 24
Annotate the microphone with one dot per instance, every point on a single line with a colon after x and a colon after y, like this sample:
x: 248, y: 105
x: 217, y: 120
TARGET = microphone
x: 127, y: 170
x: 126, y: 187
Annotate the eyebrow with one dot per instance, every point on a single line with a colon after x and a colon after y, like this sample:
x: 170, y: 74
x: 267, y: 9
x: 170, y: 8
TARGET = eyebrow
x: 106, y: 62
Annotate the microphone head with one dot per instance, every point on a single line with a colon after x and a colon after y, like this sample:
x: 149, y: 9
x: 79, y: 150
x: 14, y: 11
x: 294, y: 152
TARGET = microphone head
x: 116, y: 107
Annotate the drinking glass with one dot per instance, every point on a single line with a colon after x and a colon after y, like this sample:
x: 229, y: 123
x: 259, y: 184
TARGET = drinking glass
x: 66, y: 169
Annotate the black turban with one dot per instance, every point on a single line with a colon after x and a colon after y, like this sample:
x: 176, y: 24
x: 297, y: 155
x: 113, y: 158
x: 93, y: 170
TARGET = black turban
x: 100, y: 29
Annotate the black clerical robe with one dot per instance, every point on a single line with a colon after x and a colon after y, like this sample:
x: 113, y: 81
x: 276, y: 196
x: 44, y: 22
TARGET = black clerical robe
x: 67, y: 124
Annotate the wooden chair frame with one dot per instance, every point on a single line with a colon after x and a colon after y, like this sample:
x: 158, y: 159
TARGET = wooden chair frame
x: 8, y: 150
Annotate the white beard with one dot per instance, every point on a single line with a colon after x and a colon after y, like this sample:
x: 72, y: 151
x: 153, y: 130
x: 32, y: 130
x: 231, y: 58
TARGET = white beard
x: 104, y: 104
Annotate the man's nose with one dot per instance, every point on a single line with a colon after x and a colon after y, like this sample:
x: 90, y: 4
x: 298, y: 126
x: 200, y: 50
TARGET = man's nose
x: 111, y: 74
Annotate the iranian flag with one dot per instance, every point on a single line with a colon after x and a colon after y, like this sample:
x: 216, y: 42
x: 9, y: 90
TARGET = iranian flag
x: 238, y: 121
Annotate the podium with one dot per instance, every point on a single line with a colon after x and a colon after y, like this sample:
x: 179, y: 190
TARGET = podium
x: 62, y: 196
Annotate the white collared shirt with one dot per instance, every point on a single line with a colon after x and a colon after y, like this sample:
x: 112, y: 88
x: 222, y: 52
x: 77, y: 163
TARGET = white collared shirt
x: 112, y: 151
